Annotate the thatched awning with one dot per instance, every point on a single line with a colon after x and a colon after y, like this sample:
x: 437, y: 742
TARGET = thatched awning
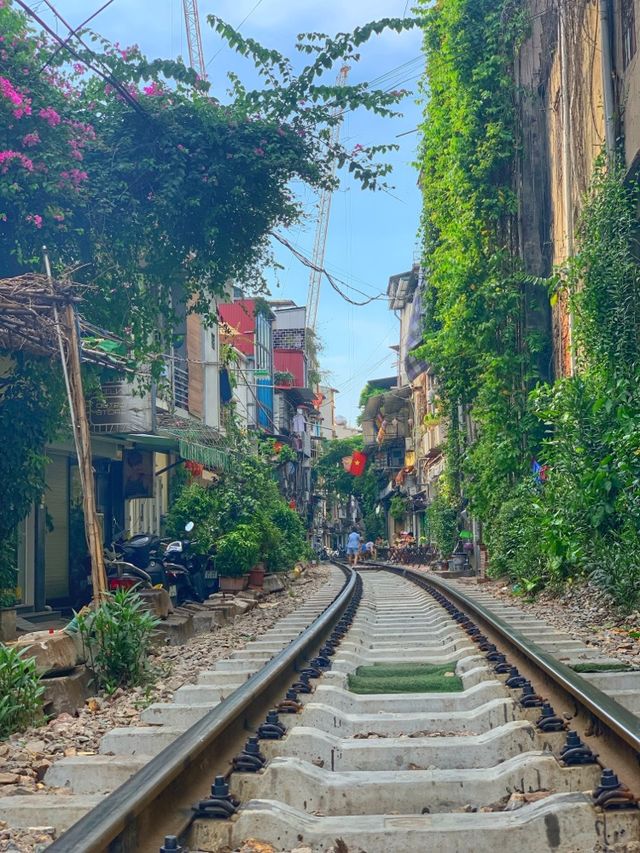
x: 28, y: 305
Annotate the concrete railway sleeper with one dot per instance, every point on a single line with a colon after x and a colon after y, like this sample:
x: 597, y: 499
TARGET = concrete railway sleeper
x: 402, y: 724
x: 492, y: 763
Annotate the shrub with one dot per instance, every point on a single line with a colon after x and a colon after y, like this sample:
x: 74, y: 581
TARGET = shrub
x: 198, y: 504
x: 515, y: 540
x: 237, y: 552
x: 443, y: 525
x: 8, y: 579
x: 117, y: 637
x: 20, y: 691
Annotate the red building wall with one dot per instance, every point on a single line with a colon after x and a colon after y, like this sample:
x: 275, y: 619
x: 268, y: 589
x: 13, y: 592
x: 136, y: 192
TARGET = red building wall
x: 241, y: 315
x: 292, y: 361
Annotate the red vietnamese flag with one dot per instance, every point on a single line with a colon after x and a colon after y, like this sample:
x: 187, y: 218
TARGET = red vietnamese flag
x: 358, y: 463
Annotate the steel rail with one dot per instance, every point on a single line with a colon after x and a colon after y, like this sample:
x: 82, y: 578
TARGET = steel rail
x: 617, y: 718
x: 102, y: 828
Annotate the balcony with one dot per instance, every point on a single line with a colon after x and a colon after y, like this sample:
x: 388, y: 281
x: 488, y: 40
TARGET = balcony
x: 180, y: 387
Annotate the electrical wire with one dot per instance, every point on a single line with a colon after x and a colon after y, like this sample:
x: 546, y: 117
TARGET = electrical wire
x: 95, y: 66
x: 73, y: 32
x: 243, y: 21
x: 307, y: 262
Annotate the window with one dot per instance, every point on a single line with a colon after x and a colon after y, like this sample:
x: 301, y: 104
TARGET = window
x: 628, y: 20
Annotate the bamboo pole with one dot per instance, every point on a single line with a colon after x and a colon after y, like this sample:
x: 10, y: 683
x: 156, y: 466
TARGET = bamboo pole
x: 92, y: 528
x: 70, y: 357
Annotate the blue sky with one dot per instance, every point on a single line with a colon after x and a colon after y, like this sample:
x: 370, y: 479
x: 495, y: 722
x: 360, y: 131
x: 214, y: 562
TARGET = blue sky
x: 371, y: 235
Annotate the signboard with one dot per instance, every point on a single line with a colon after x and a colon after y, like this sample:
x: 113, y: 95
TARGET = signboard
x: 137, y: 474
x: 121, y: 410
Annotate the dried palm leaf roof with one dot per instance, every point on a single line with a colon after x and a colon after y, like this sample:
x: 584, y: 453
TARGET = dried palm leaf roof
x: 28, y: 305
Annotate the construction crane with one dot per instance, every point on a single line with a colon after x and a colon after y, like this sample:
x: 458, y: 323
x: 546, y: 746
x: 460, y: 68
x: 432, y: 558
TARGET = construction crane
x: 194, y: 37
x: 324, y: 211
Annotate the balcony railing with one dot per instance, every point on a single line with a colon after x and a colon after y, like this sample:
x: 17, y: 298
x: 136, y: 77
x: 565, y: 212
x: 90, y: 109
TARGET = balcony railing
x: 181, y: 387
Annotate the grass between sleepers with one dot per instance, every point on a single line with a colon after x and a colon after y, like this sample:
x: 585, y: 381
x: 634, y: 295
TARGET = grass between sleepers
x: 405, y: 678
x: 602, y: 667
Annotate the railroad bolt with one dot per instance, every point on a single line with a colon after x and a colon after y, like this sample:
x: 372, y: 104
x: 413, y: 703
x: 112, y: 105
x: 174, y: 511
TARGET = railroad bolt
x: 612, y: 794
x: 575, y: 751
x: 548, y: 720
x: 529, y: 697
x: 321, y: 662
x: 250, y: 759
x: 515, y: 679
x: 302, y: 684
x: 272, y: 728
x: 290, y: 704
x: 171, y: 845
x: 221, y: 805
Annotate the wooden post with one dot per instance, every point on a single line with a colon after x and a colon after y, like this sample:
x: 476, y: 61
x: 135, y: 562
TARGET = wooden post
x: 83, y: 446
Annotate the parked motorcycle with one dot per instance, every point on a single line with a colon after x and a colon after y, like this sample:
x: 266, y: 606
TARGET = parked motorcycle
x: 192, y: 573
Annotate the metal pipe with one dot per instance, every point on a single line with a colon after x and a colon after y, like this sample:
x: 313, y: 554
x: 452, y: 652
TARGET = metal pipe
x: 607, y: 77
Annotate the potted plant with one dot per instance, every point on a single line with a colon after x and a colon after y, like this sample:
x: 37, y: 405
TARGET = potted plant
x: 237, y: 553
x: 283, y: 379
x: 8, y: 599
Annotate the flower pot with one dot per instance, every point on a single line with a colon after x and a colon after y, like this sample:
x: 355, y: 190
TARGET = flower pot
x: 256, y: 576
x: 234, y: 584
x: 7, y: 624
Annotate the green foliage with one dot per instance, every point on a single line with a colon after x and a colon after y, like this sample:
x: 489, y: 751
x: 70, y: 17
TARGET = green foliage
x: 237, y: 552
x: 442, y: 520
x: 340, y: 484
x: 586, y: 518
x: 117, y: 637
x: 245, y: 498
x: 514, y: 538
x: 479, y: 333
x: 398, y: 507
x: 198, y: 504
x: 31, y: 402
x: 20, y: 691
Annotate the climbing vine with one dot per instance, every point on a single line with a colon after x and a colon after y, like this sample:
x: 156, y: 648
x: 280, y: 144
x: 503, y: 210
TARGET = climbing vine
x: 31, y: 399
x: 477, y: 332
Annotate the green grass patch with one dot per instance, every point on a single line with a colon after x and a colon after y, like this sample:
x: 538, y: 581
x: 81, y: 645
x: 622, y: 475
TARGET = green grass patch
x: 602, y: 667
x: 405, y: 678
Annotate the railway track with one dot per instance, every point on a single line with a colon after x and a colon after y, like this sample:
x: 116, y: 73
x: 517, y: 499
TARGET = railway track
x: 517, y: 755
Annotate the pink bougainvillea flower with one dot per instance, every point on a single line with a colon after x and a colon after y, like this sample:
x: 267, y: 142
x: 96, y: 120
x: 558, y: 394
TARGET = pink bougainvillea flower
x: 49, y: 115
x: 6, y: 158
x: 153, y: 90
x: 31, y: 139
x: 74, y: 176
x: 59, y: 217
x: 259, y: 152
x: 36, y: 219
x: 8, y: 91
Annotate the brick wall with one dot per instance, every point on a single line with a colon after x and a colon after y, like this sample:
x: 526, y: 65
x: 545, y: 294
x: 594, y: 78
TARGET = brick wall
x: 288, y: 339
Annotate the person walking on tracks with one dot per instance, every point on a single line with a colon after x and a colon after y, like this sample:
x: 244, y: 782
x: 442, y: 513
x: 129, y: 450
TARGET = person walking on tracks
x: 353, y: 547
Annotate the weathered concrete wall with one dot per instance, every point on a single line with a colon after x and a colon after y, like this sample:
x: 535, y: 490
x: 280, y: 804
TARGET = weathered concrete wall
x: 546, y: 217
